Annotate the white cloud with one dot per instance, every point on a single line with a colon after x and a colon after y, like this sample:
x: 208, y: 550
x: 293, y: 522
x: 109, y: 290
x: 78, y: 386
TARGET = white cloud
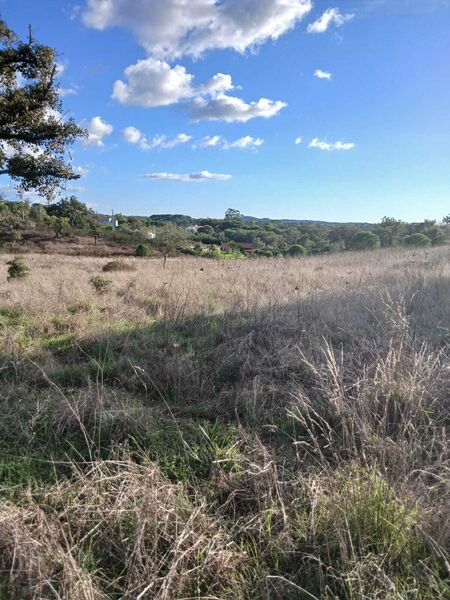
x: 70, y: 91
x: 81, y: 171
x: 152, y: 83
x: 172, y: 28
x: 210, y: 142
x: 133, y: 136
x: 298, y: 141
x: 329, y: 17
x: 161, y: 141
x: 322, y: 74
x: 201, y: 176
x: 321, y: 145
x: 231, y: 109
x: 97, y: 131
x: 243, y: 143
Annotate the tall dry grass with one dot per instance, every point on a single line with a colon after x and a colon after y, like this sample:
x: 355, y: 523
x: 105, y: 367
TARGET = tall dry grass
x: 259, y: 429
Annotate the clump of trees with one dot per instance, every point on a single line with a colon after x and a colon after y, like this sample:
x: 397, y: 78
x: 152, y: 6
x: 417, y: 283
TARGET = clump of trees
x: 236, y: 235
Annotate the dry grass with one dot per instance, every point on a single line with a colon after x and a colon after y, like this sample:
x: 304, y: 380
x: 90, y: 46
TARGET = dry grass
x: 259, y: 429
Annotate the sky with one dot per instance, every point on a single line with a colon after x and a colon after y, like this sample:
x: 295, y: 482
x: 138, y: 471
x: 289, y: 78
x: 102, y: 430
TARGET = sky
x: 334, y: 110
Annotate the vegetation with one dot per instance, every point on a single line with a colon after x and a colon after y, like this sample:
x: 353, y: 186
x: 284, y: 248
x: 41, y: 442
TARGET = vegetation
x: 245, y: 429
x: 17, y: 268
x: 143, y: 250
x: 417, y: 239
x: 33, y: 133
x: 232, y: 237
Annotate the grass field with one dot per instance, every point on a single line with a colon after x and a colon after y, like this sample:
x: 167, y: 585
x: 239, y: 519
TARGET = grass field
x: 259, y: 429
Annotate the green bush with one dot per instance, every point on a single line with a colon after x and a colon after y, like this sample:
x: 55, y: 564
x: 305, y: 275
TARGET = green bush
x: 100, y: 284
x: 17, y: 269
x: 364, y: 240
x: 417, y: 239
x: 297, y: 250
x: 143, y: 250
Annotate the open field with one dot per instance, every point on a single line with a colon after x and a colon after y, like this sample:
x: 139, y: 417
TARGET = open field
x: 259, y: 429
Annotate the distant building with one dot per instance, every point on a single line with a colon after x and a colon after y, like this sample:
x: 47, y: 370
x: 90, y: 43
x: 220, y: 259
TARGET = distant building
x: 192, y: 229
x: 107, y: 220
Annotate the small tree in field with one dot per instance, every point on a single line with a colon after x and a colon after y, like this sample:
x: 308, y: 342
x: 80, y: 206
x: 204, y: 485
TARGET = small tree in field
x: 17, y: 269
x: 143, y: 250
x: 364, y: 240
x: 169, y: 239
x: 297, y: 250
x: 417, y: 239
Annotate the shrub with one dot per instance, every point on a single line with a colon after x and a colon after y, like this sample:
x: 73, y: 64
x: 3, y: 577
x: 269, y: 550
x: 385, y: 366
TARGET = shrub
x: 297, y: 250
x: 417, y: 239
x: 17, y: 269
x: 364, y: 240
x: 100, y: 284
x: 143, y: 250
x: 118, y: 265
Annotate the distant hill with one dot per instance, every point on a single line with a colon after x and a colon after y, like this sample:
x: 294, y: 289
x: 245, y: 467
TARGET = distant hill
x: 249, y: 218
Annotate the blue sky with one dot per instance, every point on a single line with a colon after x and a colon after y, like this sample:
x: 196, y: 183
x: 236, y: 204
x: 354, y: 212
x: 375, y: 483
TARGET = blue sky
x: 364, y: 84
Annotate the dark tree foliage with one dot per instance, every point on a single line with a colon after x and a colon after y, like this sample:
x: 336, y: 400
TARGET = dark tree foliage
x: 33, y: 135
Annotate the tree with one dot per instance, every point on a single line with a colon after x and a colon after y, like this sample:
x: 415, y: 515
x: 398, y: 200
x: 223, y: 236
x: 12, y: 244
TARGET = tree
x: 446, y: 220
x: 95, y: 230
x: 76, y: 212
x: 33, y: 134
x: 389, y: 231
x: 169, y: 239
x: 297, y: 250
x: 60, y: 225
x: 417, y: 239
x: 233, y: 215
x: 364, y: 240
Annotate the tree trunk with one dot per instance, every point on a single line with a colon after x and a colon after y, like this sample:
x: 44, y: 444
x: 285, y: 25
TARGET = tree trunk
x: 165, y: 260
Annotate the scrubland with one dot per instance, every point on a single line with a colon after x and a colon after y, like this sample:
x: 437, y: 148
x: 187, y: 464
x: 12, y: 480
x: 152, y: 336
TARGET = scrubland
x: 260, y: 429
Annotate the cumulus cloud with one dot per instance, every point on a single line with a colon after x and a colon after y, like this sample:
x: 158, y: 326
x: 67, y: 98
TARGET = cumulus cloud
x: 201, y: 176
x: 152, y: 83
x: 97, y: 131
x: 132, y: 135
x: 322, y: 74
x: 232, y: 109
x: 332, y: 16
x: 321, y: 145
x: 298, y: 141
x: 171, y: 29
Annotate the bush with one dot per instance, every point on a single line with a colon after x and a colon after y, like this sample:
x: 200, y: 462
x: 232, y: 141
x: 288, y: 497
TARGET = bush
x: 17, y: 269
x: 364, y: 240
x: 417, y: 239
x: 118, y: 265
x: 297, y: 250
x: 100, y: 284
x: 143, y: 250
